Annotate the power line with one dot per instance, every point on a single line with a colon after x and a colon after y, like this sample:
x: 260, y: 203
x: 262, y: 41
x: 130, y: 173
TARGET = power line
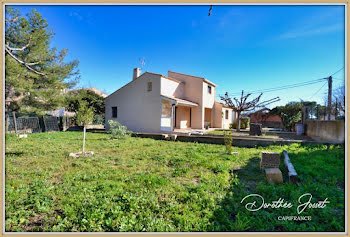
x: 282, y: 87
x: 338, y: 71
x: 318, y: 90
x: 287, y: 86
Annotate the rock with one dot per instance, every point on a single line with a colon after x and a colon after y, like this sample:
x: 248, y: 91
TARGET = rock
x: 255, y: 129
x: 270, y: 159
x: 77, y: 155
x: 22, y: 135
x: 274, y: 175
x: 169, y: 137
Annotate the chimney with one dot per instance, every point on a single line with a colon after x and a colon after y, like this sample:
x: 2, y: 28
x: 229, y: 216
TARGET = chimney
x: 136, y: 74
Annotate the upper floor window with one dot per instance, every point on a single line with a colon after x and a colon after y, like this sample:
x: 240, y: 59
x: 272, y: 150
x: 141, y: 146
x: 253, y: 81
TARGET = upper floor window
x: 209, y: 89
x: 114, y: 112
x: 226, y: 114
x: 149, y: 86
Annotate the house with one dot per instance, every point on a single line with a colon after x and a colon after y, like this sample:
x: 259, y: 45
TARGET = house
x: 93, y: 89
x: 268, y: 121
x: 153, y: 102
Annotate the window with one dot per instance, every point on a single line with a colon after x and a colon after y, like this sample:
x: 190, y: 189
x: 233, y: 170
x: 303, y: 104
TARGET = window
x: 209, y: 89
x: 226, y: 114
x: 114, y: 112
x: 149, y: 86
x: 166, y: 108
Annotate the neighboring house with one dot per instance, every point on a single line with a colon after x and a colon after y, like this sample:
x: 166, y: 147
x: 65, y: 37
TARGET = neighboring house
x: 93, y: 89
x: 156, y: 103
x: 268, y: 121
x: 97, y: 91
x: 60, y: 112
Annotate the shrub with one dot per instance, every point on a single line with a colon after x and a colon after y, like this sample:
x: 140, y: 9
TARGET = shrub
x: 245, y: 121
x: 228, y: 142
x: 99, y: 119
x: 117, y: 130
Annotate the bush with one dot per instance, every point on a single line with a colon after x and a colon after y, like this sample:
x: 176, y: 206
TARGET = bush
x: 228, y: 142
x: 245, y: 121
x: 99, y: 119
x: 117, y: 130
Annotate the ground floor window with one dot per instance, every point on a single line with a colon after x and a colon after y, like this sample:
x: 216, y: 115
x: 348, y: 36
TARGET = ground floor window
x: 115, y: 112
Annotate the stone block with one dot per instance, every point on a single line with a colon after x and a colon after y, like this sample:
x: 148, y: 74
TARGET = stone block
x: 255, y: 129
x: 270, y: 159
x: 274, y: 175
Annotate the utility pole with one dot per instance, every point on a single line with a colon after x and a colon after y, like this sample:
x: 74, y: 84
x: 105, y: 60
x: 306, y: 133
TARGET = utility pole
x: 329, y: 97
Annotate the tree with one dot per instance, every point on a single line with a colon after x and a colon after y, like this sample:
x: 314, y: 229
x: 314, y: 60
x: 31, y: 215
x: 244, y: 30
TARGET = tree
x: 36, y: 74
x: 242, y: 105
x: 339, y: 97
x: 290, y: 114
x: 93, y: 100
x: 84, y: 117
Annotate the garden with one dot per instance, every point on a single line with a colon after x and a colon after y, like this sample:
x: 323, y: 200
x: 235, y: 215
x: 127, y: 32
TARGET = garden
x: 142, y: 184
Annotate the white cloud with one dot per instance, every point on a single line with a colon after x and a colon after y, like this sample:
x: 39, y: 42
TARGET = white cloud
x: 310, y: 31
x: 76, y: 15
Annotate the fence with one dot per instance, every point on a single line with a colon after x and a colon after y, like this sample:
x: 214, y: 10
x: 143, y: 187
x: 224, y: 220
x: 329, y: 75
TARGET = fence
x: 38, y: 124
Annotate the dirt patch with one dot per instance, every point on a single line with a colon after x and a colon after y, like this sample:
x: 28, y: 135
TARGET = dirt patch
x: 36, y: 223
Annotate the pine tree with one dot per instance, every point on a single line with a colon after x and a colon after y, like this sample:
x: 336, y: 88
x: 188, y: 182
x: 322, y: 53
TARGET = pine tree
x: 36, y: 75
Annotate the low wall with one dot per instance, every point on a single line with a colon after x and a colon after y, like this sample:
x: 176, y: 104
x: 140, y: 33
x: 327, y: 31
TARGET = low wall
x: 236, y: 141
x: 331, y: 131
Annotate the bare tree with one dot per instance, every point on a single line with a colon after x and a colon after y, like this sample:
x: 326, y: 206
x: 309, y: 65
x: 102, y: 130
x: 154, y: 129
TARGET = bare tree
x: 242, y: 105
x: 339, y: 96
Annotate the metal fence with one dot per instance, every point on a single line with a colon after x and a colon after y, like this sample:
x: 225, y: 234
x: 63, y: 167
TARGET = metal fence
x: 38, y: 124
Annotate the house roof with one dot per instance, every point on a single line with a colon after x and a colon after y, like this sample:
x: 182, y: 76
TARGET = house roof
x: 173, y: 79
x: 223, y: 105
x: 93, y: 89
x: 181, y: 101
x: 144, y: 74
x: 202, y: 78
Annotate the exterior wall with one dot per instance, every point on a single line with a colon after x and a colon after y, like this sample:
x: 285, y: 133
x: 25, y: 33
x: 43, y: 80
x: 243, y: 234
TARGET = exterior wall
x: 183, y: 117
x: 333, y: 130
x: 192, y: 92
x: 171, y: 88
x: 138, y: 109
x: 217, y: 115
x: 208, y: 99
x: 226, y: 122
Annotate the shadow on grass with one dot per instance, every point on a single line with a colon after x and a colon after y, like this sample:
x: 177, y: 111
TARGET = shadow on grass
x: 14, y: 154
x: 320, y: 173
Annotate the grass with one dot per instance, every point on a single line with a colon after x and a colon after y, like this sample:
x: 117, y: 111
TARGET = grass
x: 140, y: 184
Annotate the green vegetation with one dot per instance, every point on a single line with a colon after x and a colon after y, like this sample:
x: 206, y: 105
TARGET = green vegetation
x: 36, y: 72
x: 84, y: 117
x: 74, y: 97
x: 117, y: 130
x: 141, y: 184
x: 245, y: 123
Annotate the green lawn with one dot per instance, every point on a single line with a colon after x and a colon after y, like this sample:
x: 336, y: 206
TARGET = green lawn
x: 141, y: 184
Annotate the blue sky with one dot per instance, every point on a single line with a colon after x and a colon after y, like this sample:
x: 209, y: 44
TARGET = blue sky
x: 237, y: 47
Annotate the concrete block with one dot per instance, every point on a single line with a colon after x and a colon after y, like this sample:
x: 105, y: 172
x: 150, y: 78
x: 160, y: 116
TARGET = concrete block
x: 274, y: 175
x: 255, y: 129
x: 270, y: 159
